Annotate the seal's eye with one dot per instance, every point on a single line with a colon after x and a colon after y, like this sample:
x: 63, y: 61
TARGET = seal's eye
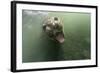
x: 55, y: 18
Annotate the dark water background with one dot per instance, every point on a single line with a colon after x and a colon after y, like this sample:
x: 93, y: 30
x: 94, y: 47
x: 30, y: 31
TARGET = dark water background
x: 37, y: 46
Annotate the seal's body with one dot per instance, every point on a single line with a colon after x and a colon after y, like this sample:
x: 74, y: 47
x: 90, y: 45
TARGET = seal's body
x: 54, y: 29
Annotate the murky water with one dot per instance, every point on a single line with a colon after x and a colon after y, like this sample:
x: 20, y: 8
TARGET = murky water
x: 37, y: 46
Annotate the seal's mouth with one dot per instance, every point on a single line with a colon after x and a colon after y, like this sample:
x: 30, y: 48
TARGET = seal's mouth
x: 60, y: 38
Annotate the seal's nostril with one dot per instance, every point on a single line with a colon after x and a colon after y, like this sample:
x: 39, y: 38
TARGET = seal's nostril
x: 55, y: 18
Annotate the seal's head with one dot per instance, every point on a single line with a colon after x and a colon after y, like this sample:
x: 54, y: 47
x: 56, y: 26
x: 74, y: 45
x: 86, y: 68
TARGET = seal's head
x: 54, y: 29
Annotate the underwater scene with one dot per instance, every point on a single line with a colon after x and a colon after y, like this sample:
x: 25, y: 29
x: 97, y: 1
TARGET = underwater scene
x: 55, y: 36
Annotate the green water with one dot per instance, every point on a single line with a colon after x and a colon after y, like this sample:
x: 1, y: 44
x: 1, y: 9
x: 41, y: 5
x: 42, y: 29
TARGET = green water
x: 37, y: 46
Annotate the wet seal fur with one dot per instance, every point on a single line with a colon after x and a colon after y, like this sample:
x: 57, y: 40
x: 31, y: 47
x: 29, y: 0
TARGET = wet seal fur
x: 53, y: 27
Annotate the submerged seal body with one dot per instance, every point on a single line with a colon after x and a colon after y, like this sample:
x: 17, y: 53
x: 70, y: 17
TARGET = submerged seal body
x: 53, y: 27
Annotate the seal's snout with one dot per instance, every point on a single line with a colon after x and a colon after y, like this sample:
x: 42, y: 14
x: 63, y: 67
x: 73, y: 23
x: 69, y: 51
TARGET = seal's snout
x: 60, y: 38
